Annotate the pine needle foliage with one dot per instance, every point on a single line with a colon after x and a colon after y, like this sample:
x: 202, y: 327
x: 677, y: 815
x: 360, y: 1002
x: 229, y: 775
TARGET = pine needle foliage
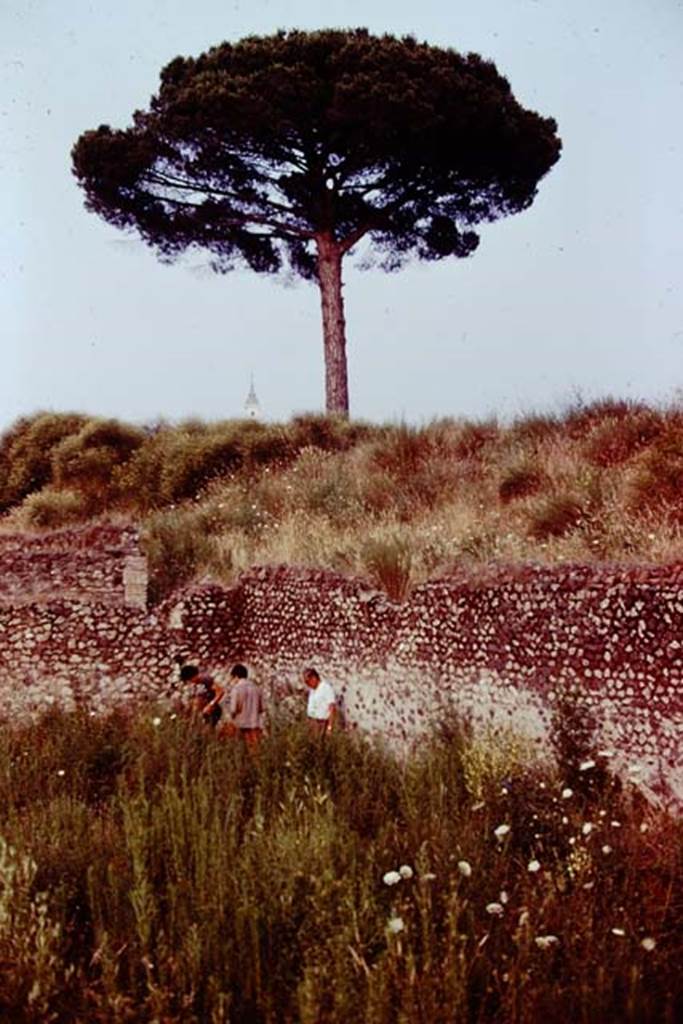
x: 286, y: 151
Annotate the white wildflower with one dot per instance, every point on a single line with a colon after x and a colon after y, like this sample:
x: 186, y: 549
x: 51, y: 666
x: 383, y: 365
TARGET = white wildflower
x: 615, y: 824
x: 587, y: 828
x: 391, y: 878
x: 618, y: 931
x: 533, y: 866
x: 395, y: 925
x: 495, y: 909
x: 465, y: 868
x: 429, y: 876
x: 565, y: 819
x: 586, y: 765
x: 405, y: 871
x: 501, y: 831
x: 523, y: 918
x: 648, y: 944
x: 606, y: 849
x: 588, y: 886
x: 546, y: 941
x: 156, y: 722
x: 567, y: 792
x: 61, y: 772
x: 644, y: 826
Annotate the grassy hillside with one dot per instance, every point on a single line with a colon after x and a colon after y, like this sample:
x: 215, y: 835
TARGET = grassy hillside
x: 397, y: 504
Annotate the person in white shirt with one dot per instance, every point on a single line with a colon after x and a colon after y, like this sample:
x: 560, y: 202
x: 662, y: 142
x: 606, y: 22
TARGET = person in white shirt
x: 321, y: 710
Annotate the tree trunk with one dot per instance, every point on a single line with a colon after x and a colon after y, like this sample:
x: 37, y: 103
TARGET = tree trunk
x: 334, y: 326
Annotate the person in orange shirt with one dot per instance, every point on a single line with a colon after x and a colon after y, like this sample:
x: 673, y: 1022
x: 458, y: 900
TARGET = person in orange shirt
x: 246, y: 710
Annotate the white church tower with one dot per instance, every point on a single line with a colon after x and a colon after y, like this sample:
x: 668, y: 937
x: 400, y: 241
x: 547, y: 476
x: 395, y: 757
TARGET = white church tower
x: 252, y: 406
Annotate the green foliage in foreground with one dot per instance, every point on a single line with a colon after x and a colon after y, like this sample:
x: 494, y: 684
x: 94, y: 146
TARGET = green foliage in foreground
x: 152, y: 872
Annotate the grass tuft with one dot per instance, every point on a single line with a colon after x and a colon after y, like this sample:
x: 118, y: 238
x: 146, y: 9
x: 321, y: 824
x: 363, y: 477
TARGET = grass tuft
x: 388, y: 561
x: 519, y: 483
x: 658, y: 485
x: 555, y: 517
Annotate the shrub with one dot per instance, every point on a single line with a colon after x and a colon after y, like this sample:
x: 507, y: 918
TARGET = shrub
x: 475, y: 438
x: 49, y: 509
x: 402, y: 451
x: 378, y: 491
x: 266, y: 446
x: 619, y: 439
x: 89, y: 459
x: 519, y: 483
x: 330, y: 433
x: 555, y: 517
x: 658, y: 485
x: 574, y: 738
x: 193, y: 460
x: 33, y: 972
x: 139, y: 480
x: 582, y: 418
x: 534, y: 428
x: 26, y: 453
x: 176, y: 550
x: 478, y: 545
x: 322, y: 483
x: 415, y: 466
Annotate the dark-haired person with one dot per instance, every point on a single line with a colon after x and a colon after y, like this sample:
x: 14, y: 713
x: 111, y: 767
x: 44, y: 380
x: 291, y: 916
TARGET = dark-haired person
x: 246, y: 707
x: 207, y: 695
x: 321, y: 709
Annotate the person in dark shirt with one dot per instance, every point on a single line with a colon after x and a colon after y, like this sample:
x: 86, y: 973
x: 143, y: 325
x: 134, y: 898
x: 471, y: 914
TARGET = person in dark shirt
x: 206, y: 696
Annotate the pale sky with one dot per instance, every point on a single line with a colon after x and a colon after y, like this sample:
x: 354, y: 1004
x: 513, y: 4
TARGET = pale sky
x: 579, y: 295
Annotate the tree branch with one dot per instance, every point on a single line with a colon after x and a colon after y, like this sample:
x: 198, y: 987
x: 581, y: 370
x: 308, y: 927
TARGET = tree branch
x: 244, y: 220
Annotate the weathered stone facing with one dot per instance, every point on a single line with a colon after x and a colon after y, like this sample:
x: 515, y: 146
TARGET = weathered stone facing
x: 101, y: 564
x: 507, y: 643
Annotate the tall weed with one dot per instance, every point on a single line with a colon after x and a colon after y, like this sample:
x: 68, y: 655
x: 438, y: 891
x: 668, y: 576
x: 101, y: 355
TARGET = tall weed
x: 322, y: 881
x: 388, y: 561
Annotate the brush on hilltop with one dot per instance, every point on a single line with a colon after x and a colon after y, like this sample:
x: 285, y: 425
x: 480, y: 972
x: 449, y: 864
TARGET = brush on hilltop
x: 392, y: 503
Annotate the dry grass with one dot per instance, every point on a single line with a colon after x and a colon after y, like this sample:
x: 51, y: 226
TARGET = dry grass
x: 604, y: 482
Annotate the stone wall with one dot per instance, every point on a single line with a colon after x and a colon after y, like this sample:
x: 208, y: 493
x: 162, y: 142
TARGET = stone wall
x: 100, y: 564
x: 503, y: 647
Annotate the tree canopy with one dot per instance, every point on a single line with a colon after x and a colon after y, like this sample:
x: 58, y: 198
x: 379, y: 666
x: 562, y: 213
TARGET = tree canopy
x: 285, y: 151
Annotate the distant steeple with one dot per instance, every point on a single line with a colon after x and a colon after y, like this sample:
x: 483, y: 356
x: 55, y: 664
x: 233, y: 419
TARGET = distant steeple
x: 252, y: 406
